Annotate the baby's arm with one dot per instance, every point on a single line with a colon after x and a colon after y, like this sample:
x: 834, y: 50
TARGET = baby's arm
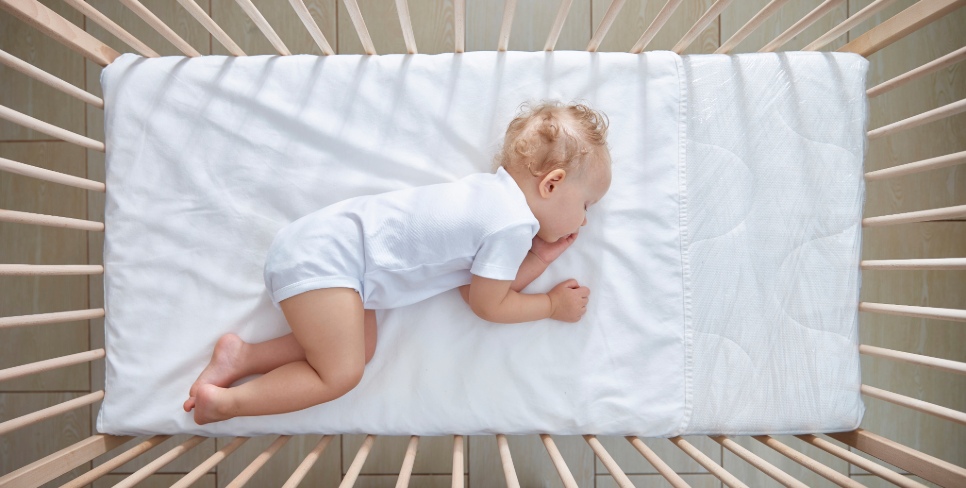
x: 501, y: 301
x: 530, y: 269
x: 541, y: 254
x: 494, y: 301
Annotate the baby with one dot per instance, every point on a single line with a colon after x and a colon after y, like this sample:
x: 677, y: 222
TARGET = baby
x: 488, y: 234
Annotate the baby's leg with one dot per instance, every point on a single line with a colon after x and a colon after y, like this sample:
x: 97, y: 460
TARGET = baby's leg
x: 329, y: 324
x: 234, y: 359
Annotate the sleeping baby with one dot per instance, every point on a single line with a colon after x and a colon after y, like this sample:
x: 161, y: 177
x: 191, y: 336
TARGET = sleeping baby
x: 488, y: 234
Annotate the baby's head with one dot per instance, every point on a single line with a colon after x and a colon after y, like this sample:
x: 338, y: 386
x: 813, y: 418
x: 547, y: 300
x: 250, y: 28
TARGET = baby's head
x: 558, y: 155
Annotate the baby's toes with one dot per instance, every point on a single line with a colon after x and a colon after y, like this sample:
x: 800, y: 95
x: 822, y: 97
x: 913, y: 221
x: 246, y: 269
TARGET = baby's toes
x: 189, y: 404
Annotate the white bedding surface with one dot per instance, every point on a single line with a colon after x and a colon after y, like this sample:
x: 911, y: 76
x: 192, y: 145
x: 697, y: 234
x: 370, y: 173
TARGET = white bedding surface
x: 723, y: 263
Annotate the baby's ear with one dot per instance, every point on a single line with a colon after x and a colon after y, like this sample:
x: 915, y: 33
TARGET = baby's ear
x: 551, y: 181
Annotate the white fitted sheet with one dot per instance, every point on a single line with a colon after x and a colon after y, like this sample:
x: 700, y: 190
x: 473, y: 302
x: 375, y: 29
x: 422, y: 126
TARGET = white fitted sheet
x: 723, y: 262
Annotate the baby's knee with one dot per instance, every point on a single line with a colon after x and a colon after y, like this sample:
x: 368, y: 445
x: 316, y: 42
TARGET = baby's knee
x: 342, y: 379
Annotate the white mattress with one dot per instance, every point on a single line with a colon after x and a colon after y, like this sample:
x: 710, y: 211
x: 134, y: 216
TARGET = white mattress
x: 723, y: 263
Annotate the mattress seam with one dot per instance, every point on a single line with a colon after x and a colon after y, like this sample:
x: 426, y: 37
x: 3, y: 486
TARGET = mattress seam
x: 684, y: 243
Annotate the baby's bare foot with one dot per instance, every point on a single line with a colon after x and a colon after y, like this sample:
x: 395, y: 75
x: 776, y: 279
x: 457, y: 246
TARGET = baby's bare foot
x: 212, y: 405
x: 223, y: 369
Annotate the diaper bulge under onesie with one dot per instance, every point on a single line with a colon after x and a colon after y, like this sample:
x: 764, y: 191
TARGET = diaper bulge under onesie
x: 403, y: 246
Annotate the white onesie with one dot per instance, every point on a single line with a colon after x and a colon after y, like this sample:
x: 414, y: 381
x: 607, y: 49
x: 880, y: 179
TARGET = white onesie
x: 404, y: 246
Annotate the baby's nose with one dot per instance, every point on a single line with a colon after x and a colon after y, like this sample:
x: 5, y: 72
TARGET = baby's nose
x: 585, y: 222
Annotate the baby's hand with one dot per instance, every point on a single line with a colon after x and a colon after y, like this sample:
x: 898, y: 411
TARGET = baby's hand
x: 568, y: 301
x: 549, y: 251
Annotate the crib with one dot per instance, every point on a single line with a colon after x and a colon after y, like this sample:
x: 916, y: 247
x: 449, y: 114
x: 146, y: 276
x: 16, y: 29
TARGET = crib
x: 49, y: 420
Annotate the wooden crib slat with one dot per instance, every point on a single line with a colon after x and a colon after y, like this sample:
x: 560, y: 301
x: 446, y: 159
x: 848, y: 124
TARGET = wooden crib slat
x: 406, y: 23
x: 459, y: 26
x: 49, y: 79
x: 558, y: 462
x: 48, y: 270
x: 163, y: 460
x: 307, y: 463
x: 360, y: 25
x: 942, y: 264
x: 303, y: 12
x: 915, y: 404
x: 655, y: 26
x: 62, y: 461
x: 870, y: 466
x: 457, y: 461
x: 816, y: 466
x: 900, y: 25
x: 847, y: 25
x: 506, y: 460
x: 615, y: 471
x: 918, y: 463
x: 762, y: 465
x: 955, y: 212
x: 49, y: 364
x: 714, y: 468
x: 49, y: 318
x: 604, y: 26
x: 158, y: 25
x: 406, y: 471
x: 50, y: 220
x: 914, y: 311
x: 212, y: 461
x: 258, y: 462
x: 558, y: 23
x: 930, y: 67
x: 110, y: 26
x: 49, y: 412
x: 352, y: 474
x: 19, y: 168
x: 263, y: 25
x: 750, y: 26
x: 509, y: 7
x: 908, y: 357
x: 917, y: 166
x: 49, y: 129
x: 709, y: 16
x: 212, y: 27
x: 117, y: 461
x: 61, y: 30
x: 669, y: 474
x: 933, y: 115
x: 802, y: 24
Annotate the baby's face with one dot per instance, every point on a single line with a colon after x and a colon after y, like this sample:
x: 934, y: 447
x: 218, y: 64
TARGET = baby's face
x: 569, y: 212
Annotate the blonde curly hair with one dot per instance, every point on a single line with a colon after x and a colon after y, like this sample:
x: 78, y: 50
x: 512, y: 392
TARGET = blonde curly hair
x: 549, y: 134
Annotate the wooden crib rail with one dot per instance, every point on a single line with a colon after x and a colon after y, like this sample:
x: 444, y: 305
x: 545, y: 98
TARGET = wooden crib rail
x: 109, y: 25
x: 163, y: 29
x: 60, y: 29
x: 49, y: 129
x: 847, y: 25
x: 800, y: 26
x: 901, y: 25
x: 880, y: 36
x: 49, y: 79
x: 928, y: 467
x: 602, y: 28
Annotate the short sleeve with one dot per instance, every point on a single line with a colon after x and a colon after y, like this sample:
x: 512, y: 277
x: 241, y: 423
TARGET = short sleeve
x: 502, y: 252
